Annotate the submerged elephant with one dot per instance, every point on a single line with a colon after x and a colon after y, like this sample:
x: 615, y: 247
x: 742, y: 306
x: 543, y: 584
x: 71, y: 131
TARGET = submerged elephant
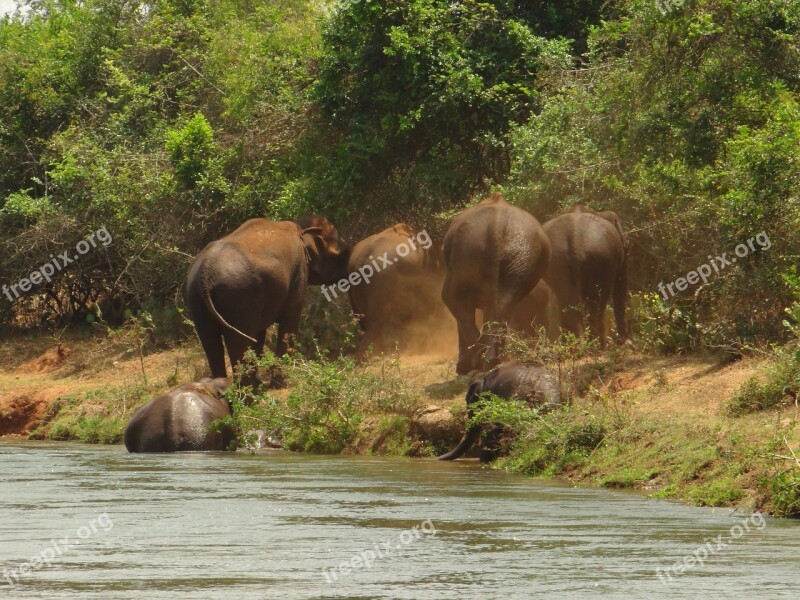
x: 180, y: 420
x: 495, y: 254
x: 532, y: 384
x: 255, y: 276
x: 400, y: 275
x: 588, y: 265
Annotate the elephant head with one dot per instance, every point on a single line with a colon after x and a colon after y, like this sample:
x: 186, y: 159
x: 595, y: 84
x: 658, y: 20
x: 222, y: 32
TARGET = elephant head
x: 327, y: 253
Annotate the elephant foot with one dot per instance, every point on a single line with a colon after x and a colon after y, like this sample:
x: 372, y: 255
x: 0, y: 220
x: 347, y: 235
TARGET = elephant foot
x: 466, y: 365
x: 487, y: 456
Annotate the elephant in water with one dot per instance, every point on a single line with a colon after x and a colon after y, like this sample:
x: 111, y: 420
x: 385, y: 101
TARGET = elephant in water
x: 255, y: 276
x: 179, y: 421
x: 530, y: 383
x: 588, y: 265
x: 400, y: 275
x: 495, y: 254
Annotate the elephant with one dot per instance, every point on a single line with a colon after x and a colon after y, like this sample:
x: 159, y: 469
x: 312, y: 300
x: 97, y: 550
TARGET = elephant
x: 538, y: 309
x: 588, y: 265
x: 495, y: 254
x: 179, y: 420
x: 530, y: 383
x: 255, y: 276
x: 400, y: 292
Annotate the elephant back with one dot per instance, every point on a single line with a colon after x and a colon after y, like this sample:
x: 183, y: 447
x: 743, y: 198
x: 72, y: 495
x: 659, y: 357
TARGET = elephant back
x: 533, y: 384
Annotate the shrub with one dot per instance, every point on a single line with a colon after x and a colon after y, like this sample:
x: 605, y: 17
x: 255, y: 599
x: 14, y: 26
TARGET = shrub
x: 785, y: 487
x: 663, y: 327
x: 778, y: 389
x: 324, y: 410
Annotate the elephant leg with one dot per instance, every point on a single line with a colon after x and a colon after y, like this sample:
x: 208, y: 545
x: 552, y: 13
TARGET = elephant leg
x: 570, y: 305
x: 620, y: 295
x: 492, y: 339
x: 596, y: 307
x: 502, y: 313
x: 468, y: 335
x: 237, y: 348
x: 463, y: 310
x: 211, y: 340
x: 288, y: 326
x: 372, y: 334
x: 490, y: 444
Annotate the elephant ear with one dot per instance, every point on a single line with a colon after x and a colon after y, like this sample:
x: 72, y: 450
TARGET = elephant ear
x: 474, y: 392
x: 319, y: 254
x: 313, y: 242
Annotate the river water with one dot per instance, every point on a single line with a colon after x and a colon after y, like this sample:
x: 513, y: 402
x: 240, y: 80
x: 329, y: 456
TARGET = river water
x: 86, y: 522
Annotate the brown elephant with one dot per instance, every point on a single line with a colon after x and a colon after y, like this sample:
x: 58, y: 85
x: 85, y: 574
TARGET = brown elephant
x: 255, y: 276
x: 398, y: 285
x: 495, y: 254
x: 180, y: 420
x: 588, y: 265
x: 539, y: 309
x: 532, y: 384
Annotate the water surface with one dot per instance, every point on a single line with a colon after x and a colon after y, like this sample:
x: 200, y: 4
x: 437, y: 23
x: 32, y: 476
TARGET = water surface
x: 274, y: 525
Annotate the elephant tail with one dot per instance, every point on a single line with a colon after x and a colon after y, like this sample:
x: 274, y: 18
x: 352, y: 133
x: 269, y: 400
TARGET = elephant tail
x: 205, y: 292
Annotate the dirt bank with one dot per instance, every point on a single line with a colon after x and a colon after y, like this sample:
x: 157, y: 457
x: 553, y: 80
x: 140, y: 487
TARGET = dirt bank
x: 675, y: 439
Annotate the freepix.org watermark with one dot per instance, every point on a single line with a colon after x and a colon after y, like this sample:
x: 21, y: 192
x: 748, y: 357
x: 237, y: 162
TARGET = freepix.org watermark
x: 366, y: 272
x: 365, y: 558
x: 710, y: 548
x: 331, y: 8
x: 47, y: 270
x: 667, y: 6
x: 715, y: 265
x: 58, y: 548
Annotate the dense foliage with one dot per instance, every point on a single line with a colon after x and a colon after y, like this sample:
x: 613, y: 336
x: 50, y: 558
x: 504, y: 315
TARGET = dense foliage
x: 169, y: 122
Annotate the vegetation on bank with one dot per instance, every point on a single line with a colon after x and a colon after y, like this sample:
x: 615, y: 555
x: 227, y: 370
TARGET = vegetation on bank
x: 331, y: 406
x: 605, y: 438
x: 609, y: 433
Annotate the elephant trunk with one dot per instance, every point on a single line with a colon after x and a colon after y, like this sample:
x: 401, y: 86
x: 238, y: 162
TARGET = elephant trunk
x: 473, y: 432
x: 469, y: 439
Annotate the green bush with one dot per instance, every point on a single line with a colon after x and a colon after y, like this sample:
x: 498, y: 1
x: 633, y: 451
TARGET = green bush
x: 780, y: 382
x: 538, y: 442
x: 721, y: 491
x: 663, y: 327
x: 778, y: 386
x: 785, y: 487
x: 190, y: 150
x: 89, y: 430
x: 328, y: 402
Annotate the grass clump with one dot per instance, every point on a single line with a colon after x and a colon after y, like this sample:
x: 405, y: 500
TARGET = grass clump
x: 778, y: 387
x: 537, y: 442
x: 785, y: 489
x: 332, y: 407
x: 718, y: 491
x: 95, y: 417
x: 89, y: 430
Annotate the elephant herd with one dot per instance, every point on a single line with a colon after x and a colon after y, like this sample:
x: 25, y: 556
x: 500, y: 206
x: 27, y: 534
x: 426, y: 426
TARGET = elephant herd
x: 495, y: 257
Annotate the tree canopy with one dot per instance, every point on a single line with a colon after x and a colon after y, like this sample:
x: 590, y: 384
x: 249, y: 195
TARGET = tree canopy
x: 170, y: 122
